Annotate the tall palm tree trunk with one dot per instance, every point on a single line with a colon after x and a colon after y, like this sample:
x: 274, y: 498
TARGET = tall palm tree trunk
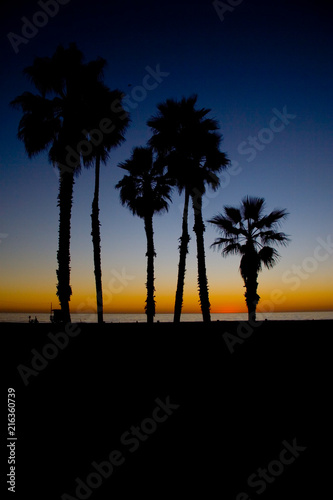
x: 183, y: 251
x: 251, y: 296
x: 65, y: 201
x: 199, y: 229
x: 96, y: 239
x: 150, y: 302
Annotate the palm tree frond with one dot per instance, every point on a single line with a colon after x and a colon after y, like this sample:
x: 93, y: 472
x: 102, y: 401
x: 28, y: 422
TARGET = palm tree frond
x: 225, y: 225
x: 233, y: 214
x: 252, y: 208
x: 233, y: 248
x: 268, y: 256
x: 273, y: 219
x: 272, y: 236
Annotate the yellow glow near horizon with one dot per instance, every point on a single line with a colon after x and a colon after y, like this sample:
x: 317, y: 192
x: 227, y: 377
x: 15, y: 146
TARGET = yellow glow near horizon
x: 226, y: 294
x: 274, y: 300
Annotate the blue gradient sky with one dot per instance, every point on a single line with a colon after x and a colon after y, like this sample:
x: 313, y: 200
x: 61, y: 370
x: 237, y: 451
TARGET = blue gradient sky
x: 263, y: 56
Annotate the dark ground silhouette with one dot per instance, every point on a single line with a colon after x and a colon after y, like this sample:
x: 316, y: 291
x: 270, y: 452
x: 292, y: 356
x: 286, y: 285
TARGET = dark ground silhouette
x: 235, y: 410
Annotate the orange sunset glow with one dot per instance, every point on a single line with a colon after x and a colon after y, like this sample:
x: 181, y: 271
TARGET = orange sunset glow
x: 133, y: 300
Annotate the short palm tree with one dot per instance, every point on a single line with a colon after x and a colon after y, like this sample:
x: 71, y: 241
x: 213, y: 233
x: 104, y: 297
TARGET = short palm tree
x: 248, y: 232
x: 145, y: 191
x: 187, y: 143
x: 101, y: 141
x: 53, y: 118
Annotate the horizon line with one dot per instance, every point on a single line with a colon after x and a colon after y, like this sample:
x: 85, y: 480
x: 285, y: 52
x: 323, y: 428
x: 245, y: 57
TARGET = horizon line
x: 172, y: 312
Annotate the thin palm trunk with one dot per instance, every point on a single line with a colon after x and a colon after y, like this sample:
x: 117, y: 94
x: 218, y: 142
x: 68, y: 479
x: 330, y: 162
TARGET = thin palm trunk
x: 183, y: 251
x: 199, y: 229
x: 96, y: 239
x: 65, y: 201
x: 150, y: 302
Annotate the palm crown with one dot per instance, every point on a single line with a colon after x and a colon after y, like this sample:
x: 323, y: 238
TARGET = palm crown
x: 56, y: 116
x: 188, y: 143
x: 144, y: 191
x: 246, y: 229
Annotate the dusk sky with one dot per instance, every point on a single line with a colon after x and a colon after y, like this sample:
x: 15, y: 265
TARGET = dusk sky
x: 263, y: 68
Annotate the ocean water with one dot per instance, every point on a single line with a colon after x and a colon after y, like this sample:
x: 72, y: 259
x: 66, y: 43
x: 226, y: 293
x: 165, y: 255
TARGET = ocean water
x: 141, y: 318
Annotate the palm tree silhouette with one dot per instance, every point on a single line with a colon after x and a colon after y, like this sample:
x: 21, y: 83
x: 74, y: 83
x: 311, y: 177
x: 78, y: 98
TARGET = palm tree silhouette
x: 108, y: 123
x: 248, y: 232
x: 187, y: 142
x: 54, y: 118
x: 145, y: 191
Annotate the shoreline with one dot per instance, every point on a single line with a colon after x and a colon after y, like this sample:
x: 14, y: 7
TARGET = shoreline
x: 114, y: 318
x: 157, y: 323
x: 279, y: 329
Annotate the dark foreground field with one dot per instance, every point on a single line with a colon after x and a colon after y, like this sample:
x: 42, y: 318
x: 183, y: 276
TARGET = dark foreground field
x: 229, y: 411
